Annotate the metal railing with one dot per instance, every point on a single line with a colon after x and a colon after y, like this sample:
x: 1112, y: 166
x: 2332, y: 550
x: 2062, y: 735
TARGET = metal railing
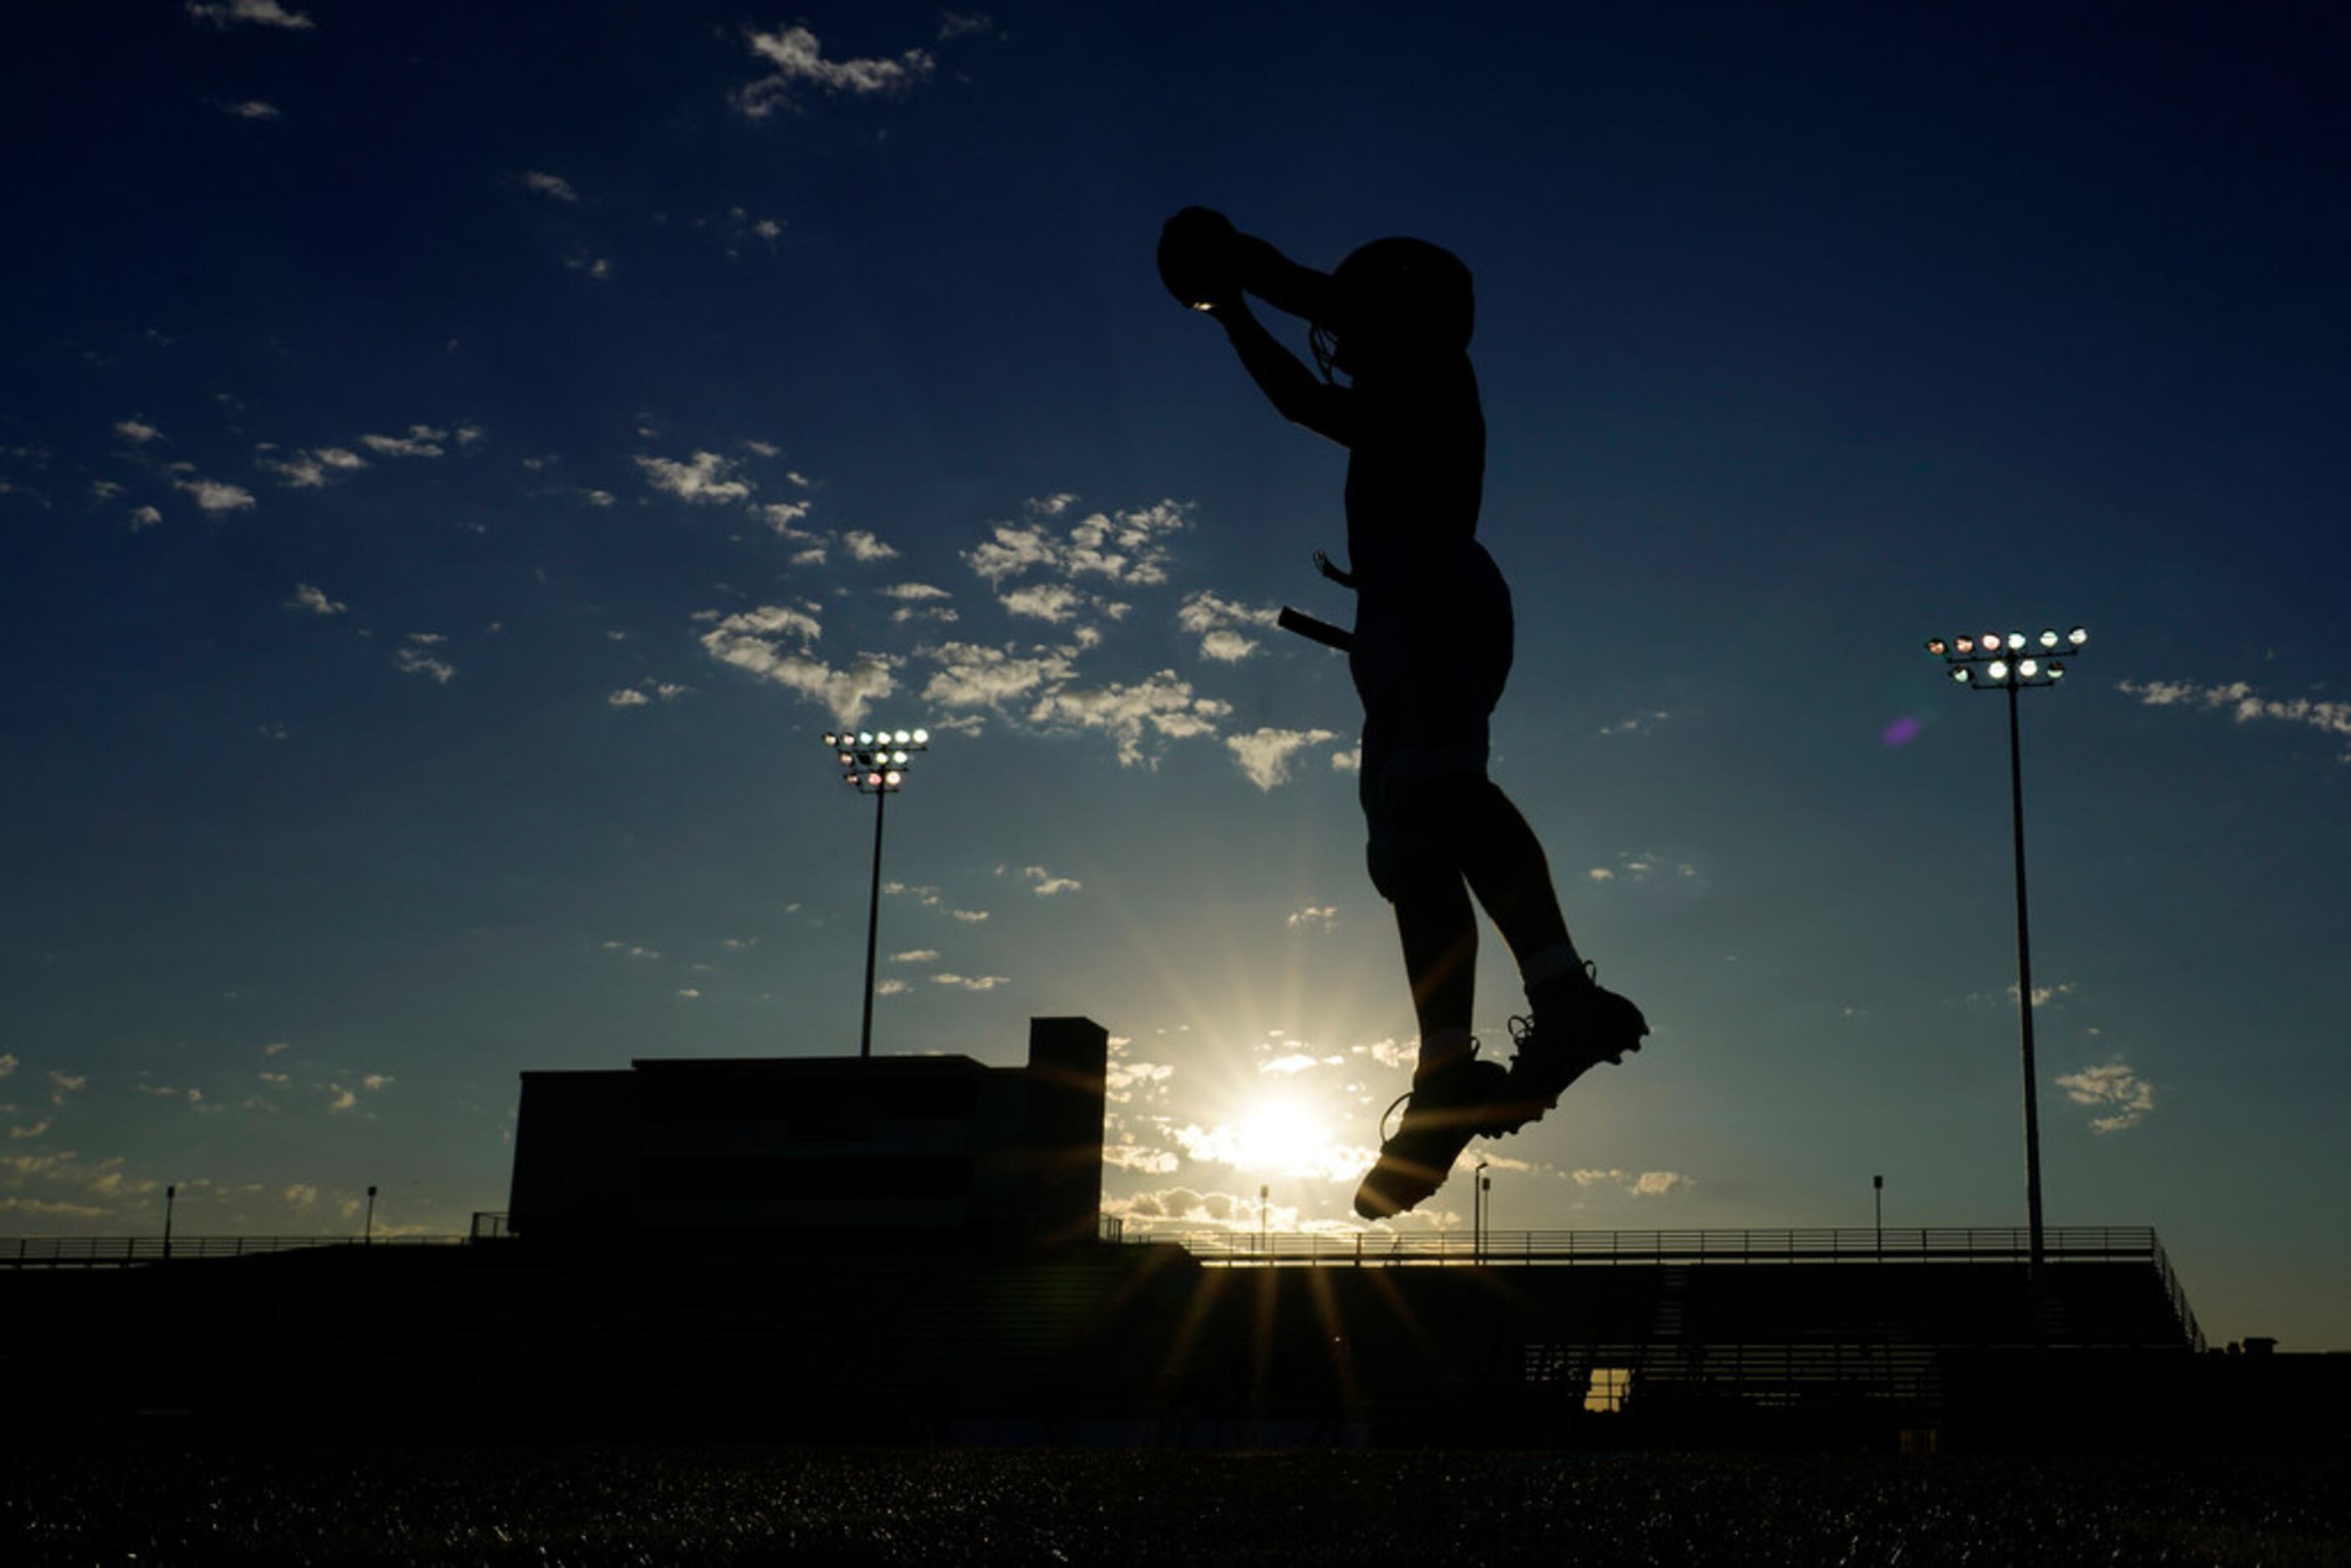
x: 1853, y: 1245
x: 130, y: 1251
x: 1962, y: 1244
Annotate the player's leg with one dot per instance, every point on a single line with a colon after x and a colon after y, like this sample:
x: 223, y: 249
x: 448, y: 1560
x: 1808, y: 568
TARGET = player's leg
x: 1436, y: 925
x: 1438, y: 928
x: 1573, y: 1022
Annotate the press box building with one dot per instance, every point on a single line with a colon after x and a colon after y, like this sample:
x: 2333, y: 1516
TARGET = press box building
x: 934, y: 1151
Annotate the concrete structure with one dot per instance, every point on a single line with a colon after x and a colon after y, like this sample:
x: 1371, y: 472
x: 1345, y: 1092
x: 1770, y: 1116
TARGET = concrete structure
x: 927, y: 1151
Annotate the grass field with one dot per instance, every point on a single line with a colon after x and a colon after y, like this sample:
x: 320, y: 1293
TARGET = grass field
x: 122, y: 1503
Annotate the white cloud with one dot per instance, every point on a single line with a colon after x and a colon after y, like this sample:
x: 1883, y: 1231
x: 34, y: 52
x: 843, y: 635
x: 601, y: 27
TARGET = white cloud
x: 1642, y: 866
x: 7, y: 1064
x: 1128, y: 548
x: 1314, y: 917
x: 421, y: 441
x: 764, y: 448
x: 309, y: 470
x: 212, y: 496
x: 972, y: 982
x: 930, y: 898
x: 2115, y: 1086
x: 376, y: 1082
x: 1133, y: 1157
x: 1126, y: 1080
x: 704, y: 478
x: 414, y: 660
x: 139, y: 432
x: 144, y: 517
x: 751, y: 640
x: 1264, y: 754
x: 916, y: 955
x: 597, y: 267
x: 1011, y: 551
x: 1161, y: 704
x: 688, y: 992
x: 973, y: 676
x: 1639, y: 724
x: 1214, y: 622
x: 1646, y: 1183
x: 251, y: 108
x: 261, y: 12
x: 798, y: 60
x: 782, y: 516
x: 1051, y: 601
x: 2245, y: 704
x: 314, y: 602
x: 344, y: 1099
x: 554, y: 185
x: 913, y: 592
x: 647, y: 693
x: 1047, y: 885
x: 301, y: 1195
x: 1348, y: 761
x: 865, y: 547
x: 891, y: 988
x: 1227, y: 647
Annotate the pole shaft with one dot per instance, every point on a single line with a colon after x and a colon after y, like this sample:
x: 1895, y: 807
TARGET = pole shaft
x: 872, y: 928
x: 2024, y: 997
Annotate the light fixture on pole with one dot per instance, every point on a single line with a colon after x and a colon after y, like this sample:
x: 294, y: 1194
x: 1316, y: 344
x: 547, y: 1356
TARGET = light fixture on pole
x: 2010, y: 662
x: 1481, y: 1211
x: 874, y: 762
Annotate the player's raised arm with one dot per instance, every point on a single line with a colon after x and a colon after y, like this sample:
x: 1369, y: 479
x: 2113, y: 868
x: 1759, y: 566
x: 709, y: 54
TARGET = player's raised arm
x: 1208, y: 266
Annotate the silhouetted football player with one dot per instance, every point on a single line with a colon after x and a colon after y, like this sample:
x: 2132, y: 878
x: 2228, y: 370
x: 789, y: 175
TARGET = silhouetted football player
x: 1430, y: 649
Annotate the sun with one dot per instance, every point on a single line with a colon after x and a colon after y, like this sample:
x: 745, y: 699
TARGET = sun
x: 1284, y: 1135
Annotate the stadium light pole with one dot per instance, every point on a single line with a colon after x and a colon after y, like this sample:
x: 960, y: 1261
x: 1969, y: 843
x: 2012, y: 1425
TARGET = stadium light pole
x: 874, y: 762
x: 1483, y: 1208
x: 2010, y: 662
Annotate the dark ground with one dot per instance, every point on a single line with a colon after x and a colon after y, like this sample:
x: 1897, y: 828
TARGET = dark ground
x: 125, y: 1503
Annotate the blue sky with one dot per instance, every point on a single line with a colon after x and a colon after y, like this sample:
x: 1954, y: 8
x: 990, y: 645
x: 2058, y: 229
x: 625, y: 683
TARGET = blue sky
x: 458, y: 463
